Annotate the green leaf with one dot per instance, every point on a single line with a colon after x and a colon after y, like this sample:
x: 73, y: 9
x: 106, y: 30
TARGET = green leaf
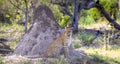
x: 1, y: 1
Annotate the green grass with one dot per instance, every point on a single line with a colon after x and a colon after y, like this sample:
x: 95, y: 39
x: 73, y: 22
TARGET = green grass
x: 85, y: 39
x: 111, y: 56
x: 99, y: 54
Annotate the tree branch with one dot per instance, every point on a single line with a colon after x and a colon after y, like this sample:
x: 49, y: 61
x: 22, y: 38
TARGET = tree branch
x: 66, y: 11
x: 63, y: 3
x: 6, y: 50
x: 60, y: 3
x: 16, y: 6
x: 112, y: 21
x: 26, y: 15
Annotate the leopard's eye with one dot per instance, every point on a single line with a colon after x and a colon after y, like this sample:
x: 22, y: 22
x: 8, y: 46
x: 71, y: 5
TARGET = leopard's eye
x: 68, y: 34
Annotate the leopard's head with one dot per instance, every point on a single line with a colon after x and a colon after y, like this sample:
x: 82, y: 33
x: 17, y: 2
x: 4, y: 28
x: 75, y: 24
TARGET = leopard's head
x: 68, y: 31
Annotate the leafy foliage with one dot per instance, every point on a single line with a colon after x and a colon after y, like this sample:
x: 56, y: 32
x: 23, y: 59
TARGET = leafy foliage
x: 108, y: 4
x: 87, y: 17
x: 93, y: 15
x: 65, y: 20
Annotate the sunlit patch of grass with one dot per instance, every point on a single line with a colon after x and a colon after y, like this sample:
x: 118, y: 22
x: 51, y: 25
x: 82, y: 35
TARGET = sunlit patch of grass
x: 13, y: 45
x: 111, y: 56
x: 11, y: 27
x: 95, y: 25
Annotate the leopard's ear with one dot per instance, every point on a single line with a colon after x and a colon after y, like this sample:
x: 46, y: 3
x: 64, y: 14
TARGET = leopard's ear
x: 68, y: 25
x: 66, y: 28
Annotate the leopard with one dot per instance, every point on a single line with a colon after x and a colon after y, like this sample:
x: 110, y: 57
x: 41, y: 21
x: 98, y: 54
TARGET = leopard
x: 59, y: 44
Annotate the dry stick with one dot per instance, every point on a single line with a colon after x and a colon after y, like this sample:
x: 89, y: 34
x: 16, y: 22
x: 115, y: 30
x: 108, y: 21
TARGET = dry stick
x: 6, y: 50
x: 1, y: 42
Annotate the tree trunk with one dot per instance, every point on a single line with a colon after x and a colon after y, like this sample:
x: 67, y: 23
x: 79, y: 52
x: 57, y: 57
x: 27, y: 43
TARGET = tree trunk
x: 41, y: 34
x: 76, y: 15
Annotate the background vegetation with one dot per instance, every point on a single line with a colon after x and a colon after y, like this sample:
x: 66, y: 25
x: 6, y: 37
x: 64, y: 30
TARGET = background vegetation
x: 12, y: 21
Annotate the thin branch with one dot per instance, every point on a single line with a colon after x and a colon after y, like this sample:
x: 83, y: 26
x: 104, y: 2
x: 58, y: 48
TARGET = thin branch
x: 16, y: 6
x: 63, y: 4
x: 66, y: 11
x: 26, y: 15
x: 60, y: 3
